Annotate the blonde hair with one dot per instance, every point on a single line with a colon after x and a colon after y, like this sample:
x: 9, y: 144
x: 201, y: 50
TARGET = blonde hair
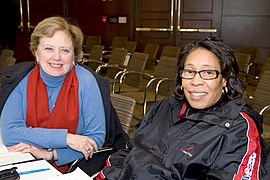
x: 49, y: 26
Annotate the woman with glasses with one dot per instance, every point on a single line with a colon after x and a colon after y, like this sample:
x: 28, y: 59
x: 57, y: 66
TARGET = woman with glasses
x: 204, y: 131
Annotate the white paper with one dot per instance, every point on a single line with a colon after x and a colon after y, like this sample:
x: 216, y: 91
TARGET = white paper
x: 77, y: 174
x: 35, y: 165
x: 13, y: 157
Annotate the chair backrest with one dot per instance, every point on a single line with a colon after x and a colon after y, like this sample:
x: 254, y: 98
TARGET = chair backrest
x: 166, y: 69
x: 151, y: 49
x: 243, y: 61
x: 119, y: 42
x: 117, y: 57
x: 95, y: 57
x: 250, y: 50
x: 90, y: 41
x: 266, y: 65
x: 170, y: 51
x: 261, y: 96
x: 130, y: 46
x: 96, y: 52
x: 6, y: 58
x: 124, y: 107
x: 137, y: 63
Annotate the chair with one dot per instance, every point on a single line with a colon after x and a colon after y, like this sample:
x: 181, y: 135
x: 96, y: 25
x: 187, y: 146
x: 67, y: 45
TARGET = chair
x: 6, y: 58
x: 95, y: 57
x: 133, y: 82
x: 252, y: 81
x: 124, y: 107
x: 90, y: 41
x: 158, y: 85
x: 254, y: 54
x: 151, y: 49
x: 115, y: 64
x: 250, y: 50
x: 130, y: 46
x: 244, y: 63
x: 170, y: 51
x: 119, y: 42
x: 260, y: 100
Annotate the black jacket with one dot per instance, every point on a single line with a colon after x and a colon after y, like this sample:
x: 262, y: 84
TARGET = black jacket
x: 214, y: 144
x: 115, y: 136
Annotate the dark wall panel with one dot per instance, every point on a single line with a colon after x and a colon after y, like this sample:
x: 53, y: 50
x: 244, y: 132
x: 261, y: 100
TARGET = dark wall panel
x: 246, y: 31
x: 246, y: 23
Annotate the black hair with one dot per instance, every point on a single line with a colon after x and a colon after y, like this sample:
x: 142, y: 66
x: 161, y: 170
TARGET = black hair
x: 227, y: 61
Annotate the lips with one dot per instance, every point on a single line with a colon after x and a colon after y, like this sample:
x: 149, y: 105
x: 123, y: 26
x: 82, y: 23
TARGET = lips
x: 55, y: 65
x: 198, y: 94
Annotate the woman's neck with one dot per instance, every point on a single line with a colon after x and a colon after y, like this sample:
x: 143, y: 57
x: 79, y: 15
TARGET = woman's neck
x: 52, y: 81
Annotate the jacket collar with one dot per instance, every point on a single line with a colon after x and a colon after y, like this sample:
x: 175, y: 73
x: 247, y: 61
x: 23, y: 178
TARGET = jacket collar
x: 223, y: 115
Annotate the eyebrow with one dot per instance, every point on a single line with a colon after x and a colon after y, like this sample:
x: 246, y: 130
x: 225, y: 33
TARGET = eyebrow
x: 203, y: 66
x: 55, y: 46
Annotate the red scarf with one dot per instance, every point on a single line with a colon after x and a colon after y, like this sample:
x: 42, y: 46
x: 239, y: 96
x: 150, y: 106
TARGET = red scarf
x: 65, y: 113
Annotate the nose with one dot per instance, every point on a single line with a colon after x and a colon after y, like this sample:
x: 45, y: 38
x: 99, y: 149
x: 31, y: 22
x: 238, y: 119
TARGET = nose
x: 197, y: 80
x: 57, y: 54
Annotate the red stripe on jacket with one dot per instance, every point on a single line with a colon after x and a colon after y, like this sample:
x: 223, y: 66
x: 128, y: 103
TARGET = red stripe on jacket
x: 249, y: 167
x: 100, y: 175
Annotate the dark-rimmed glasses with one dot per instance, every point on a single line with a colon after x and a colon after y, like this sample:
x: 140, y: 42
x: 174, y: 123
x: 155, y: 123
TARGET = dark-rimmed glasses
x: 204, y: 74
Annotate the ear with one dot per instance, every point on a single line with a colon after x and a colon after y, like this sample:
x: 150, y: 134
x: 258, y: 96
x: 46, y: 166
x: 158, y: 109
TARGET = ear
x: 36, y: 55
x: 224, y: 82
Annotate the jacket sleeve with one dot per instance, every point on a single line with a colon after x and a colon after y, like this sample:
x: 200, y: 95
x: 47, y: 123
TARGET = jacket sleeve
x: 240, y: 156
x: 137, y: 162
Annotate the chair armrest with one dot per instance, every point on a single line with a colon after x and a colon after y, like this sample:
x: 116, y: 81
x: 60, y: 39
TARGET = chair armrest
x: 248, y: 67
x: 107, y: 65
x: 92, y: 60
x: 75, y: 164
x: 246, y: 74
x: 158, y: 85
x: 265, y: 108
x: 152, y: 80
x: 125, y: 73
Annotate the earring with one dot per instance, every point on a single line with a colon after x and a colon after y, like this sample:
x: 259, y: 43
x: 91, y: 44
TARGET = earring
x: 181, y: 88
x: 224, y: 90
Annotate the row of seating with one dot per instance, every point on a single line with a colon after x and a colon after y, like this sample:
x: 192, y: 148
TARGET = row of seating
x: 91, y: 42
x: 146, y: 83
x: 129, y: 77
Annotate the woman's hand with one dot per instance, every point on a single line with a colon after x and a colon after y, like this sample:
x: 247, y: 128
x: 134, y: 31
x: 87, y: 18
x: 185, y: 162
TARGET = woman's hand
x: 35, y: 151
x: 82, y: 144
x: 21, y: 147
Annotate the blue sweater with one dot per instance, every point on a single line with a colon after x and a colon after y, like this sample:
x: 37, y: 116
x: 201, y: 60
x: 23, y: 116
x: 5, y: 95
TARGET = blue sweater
x: 91, y: 116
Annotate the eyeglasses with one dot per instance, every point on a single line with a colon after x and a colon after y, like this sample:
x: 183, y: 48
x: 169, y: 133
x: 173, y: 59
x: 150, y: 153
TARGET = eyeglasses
x: 204, y: 74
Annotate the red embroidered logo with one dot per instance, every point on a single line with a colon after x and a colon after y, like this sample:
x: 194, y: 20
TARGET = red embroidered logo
x: 186, y: 151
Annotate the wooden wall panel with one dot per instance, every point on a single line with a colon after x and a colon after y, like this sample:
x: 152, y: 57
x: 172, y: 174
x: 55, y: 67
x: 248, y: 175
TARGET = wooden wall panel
x: 246, y: 23
x: 90, y: 14
x: 246, y: 7
x: 247, y: 31
x: 193, y: 6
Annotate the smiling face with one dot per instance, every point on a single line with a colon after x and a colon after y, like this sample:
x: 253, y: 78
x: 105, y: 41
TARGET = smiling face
x: 201, y: 93
x: 55, y: 54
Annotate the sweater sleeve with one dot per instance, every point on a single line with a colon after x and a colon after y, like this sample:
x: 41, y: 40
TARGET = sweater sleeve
x: 14, y: 128
x: 92, y: 116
